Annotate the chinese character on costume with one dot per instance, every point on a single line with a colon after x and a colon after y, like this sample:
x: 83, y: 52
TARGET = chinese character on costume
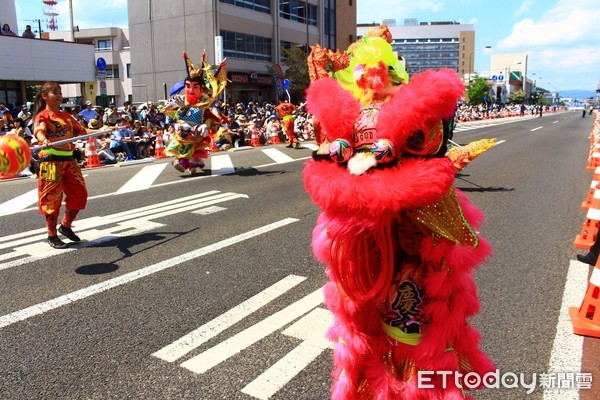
x: 399, y: 242
x: 197, y: 122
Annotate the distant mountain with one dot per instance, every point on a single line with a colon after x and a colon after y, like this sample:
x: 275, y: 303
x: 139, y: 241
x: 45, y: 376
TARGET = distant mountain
x: 577, y: 94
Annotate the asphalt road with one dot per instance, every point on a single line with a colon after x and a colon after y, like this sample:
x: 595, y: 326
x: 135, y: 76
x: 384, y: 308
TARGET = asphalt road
x: 205, y: 287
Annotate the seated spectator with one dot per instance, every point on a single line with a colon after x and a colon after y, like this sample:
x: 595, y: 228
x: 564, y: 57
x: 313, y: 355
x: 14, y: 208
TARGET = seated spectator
x: 143, y: 140
x: 237, y: 131
x: 223, y: 138
x: 110, y: 115
x: 122, y: 140
x: 22, y: 130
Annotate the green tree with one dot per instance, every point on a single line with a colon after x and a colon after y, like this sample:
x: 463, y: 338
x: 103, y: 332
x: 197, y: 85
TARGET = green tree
x: 477, y: 90
x: 517, y: 97
x: 31, y: 92
x: 297, y: 72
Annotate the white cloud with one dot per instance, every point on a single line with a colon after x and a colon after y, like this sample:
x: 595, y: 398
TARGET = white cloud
x: 567, y: 23
x: 377, y: 10
x: 525, y: 7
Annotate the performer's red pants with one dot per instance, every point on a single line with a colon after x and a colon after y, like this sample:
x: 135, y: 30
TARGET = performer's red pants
x: 56, y: 177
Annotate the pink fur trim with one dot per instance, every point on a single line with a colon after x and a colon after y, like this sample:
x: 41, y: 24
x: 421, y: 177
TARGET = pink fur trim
x: 412, y: 184
x: 420, y: 105
x: 337, y: 113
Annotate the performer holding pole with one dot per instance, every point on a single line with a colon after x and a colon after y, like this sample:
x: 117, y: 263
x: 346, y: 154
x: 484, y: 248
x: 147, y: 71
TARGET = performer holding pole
x: 59, y: 172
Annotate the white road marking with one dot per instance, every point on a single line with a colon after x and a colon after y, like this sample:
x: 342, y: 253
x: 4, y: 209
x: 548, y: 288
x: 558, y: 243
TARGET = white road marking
x: 28, y: 246
x: 277, y: 156
x: 500, y: 142
x: 143, y: 179
x: 19, y: 203
x: 567, y: 349
x: 535, y: 129
x: 228, y: 348
x: 196, y: 338
x: 221, y: 165
x: 311, y: 329
x: 310, y: 146
x: 72, y: 297
x: 209, y: 210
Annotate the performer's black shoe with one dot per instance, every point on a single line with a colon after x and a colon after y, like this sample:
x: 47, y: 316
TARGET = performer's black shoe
x: 68, y: 232
x: 587, y: 259
x: 55, y: 242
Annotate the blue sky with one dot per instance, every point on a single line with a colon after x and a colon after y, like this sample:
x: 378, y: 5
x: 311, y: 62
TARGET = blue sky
x: 561, y: 37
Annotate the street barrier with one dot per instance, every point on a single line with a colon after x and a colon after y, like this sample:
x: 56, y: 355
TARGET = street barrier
x: 586, y: 318
x: 593, y: 186
x: 589, y: 231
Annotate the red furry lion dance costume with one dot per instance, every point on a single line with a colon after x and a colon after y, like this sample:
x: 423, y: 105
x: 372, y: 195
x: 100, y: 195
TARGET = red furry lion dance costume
x: 398, y: 240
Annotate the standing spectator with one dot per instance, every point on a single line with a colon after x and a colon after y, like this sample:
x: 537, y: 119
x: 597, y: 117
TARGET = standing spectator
x: 130, y: 111
x: 7, y: 31
x: 59, y: 173
x: 88, y: 113
x: 28, y: 33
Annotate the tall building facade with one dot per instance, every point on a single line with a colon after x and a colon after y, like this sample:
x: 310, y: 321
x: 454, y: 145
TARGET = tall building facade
x: 112, y: 46
x: 252, y: 34
x: 432, y: 45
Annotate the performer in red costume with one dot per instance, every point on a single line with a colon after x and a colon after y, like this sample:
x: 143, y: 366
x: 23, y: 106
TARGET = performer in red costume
x: 285, y: 111
x: 398, y: 239
x: 59, y: 172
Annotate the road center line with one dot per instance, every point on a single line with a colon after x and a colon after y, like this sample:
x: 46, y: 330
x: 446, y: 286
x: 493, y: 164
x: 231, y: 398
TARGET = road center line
x: 60, y: 301
x: 535, y: 129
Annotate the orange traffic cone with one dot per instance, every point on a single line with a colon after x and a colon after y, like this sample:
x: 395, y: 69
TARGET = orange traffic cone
x: 92, y: 159
x: 588, y: 199
x: 255, y: 141
x: 586, y: 319
x: 594, y: 158
x: 274, y: 135
x: 159, y: 146
x: 589, y: 231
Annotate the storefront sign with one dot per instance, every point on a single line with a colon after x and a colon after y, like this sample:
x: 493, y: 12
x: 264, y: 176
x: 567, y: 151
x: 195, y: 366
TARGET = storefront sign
x: 238, y: 78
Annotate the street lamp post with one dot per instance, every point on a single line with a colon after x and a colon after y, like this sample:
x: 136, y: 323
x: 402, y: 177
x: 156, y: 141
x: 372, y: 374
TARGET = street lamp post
x: 471, y: 59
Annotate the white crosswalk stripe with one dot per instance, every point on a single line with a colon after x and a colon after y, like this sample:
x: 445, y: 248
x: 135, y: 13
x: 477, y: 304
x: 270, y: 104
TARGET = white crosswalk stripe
x: 28, y: 246
x: 143, y: 179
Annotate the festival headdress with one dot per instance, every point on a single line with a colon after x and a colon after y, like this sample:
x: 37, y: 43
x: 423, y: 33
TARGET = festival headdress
x: 212, y: 77
x: 368, y: 66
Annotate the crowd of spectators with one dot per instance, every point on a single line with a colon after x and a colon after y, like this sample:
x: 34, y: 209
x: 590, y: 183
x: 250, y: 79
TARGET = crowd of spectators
x: 133, y: 130
x: 465, y: 112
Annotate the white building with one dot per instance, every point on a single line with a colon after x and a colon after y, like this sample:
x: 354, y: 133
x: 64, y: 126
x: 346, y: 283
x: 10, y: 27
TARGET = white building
x: 112, y: 45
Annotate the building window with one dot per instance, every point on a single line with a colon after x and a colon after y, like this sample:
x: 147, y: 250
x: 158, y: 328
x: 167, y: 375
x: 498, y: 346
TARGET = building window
x: 128, y: 69
x: 256, y: 5
x: 246, y: 47
x: 104, y: 45
x: 298, y: 10
x: 112, y: 72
